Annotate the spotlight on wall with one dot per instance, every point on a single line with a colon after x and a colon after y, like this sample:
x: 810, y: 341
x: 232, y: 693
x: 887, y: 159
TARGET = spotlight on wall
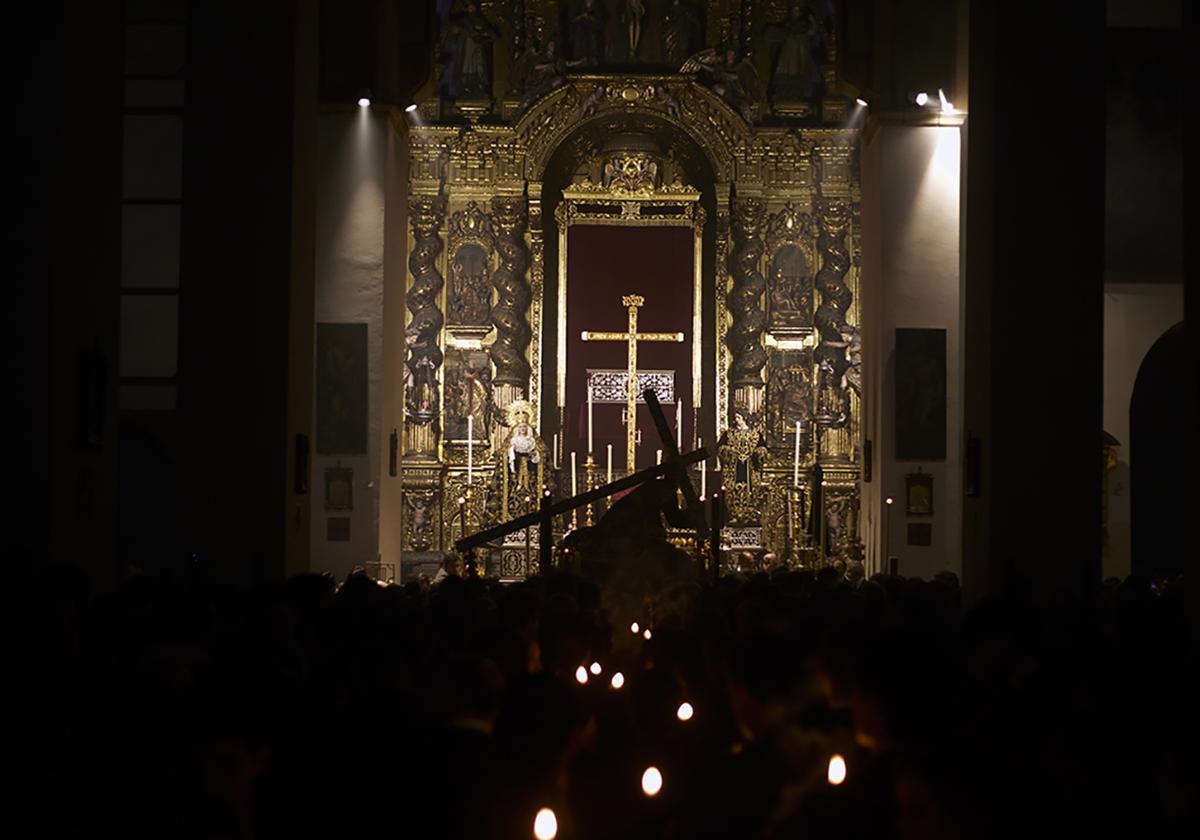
x: 364, y: 102
x: 862, y: 103
x: 947, y: 106
x: 411, y: 107
x: 921, y: 99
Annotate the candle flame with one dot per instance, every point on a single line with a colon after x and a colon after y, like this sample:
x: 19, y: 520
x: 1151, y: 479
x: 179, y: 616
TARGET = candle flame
x: 647, y: 634
x: 634, y: 628
x: 545, y: 825
x: 618, y: 680
x: 685, y: 711
x: 837, y: 770
x: 652, y: 781
x: 595, y: 668
x: 581, y: 675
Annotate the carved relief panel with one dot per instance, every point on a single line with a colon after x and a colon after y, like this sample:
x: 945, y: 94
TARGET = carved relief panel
x: 469, y: 296
x: 790, y: 256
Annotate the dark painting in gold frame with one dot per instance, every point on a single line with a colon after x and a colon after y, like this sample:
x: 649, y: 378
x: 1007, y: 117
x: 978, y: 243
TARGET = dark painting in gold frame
x: 918, y: 494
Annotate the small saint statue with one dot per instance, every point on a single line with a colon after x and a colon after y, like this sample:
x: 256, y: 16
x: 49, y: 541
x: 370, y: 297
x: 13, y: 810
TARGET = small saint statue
x: 743, y: 452
x: 796, y: 72
x: 521, y: 468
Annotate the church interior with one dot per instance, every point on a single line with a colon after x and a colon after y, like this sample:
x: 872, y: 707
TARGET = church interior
x: 596, y: 418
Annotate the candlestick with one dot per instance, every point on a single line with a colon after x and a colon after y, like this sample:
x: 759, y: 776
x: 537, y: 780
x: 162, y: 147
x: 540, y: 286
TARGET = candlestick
x: 555, y: 453
x: 796, y: 459
x: 574, y: 488
x: 679, y: 424
x: 590, y: 448
x: 470, y: 448
x: 703, y: 478
x: 608, y: 473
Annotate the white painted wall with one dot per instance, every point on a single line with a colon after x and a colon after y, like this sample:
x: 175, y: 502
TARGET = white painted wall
x: 349, y: 289
x: 911, y: 278
x: 1135, y: 316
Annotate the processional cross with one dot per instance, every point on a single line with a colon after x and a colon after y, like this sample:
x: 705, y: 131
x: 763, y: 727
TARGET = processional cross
x: 632, y: 337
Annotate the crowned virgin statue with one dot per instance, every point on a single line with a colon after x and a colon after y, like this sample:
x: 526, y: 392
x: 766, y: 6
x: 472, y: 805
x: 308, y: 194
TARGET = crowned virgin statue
x: 521, y: 469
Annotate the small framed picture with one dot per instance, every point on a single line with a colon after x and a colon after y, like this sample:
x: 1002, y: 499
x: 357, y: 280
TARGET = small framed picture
x: 339, y: 488
x: 918, y: 494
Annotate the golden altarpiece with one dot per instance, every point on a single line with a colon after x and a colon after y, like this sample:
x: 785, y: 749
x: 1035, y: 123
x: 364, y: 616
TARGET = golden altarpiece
x: 725, y: 117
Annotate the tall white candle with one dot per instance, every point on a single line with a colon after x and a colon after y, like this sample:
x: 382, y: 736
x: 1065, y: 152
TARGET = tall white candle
x: 590, y: 447
x: 679, y: 424
x: 574, y: 488
x: 658, y: 456
x: 470, y: 448
x: 796, y: 459
x: 555, y: 453
x: 703, y: 479
x: 608, y: 474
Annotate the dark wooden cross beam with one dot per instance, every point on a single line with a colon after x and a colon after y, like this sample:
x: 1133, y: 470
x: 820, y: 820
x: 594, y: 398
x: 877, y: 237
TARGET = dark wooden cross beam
x: 551, y: 509
x: 694, y: 511
x: 675, y: 465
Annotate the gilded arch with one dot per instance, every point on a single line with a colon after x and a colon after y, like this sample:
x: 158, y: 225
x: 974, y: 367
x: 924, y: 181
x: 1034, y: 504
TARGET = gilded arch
x: 686, y: 105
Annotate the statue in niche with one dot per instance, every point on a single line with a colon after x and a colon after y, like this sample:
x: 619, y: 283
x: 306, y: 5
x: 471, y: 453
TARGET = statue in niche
x: 631, y: 19
x: 796, y: 71
x: 841, y: 515
x: 470, y: 288
x: 468, y: 393
x: 521, y: 472
x: 851, y: 345
x: 681, y: 32
x: 467, y: 51
x: 587, y: 34
x: 790, y: 288
x: 420, y: 506
x: 420, y: 386
x: 743, y: 455
x: 833, y: 402
x: 789, y: 400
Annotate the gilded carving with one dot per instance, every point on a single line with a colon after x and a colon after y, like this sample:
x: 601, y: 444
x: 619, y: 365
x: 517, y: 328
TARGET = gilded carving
x: 512, y: 293
x: 789, y: 272
x: 830, y: 318
x: 471, y: 246
x: 781, y: 257
x: 745, y: 333
x: 422, y: 333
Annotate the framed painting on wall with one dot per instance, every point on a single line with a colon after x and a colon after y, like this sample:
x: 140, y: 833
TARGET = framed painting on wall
x: 918, y: 494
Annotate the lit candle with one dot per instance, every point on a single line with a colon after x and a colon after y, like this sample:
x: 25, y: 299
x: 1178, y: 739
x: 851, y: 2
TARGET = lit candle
x: 658, y: 456
x: 470, y: 448
x: 608, y: 474
x: 590, y: 448
x: 796, y: 459
x: 679, y: 424
x: 574, y: 490
x: 555, y: 450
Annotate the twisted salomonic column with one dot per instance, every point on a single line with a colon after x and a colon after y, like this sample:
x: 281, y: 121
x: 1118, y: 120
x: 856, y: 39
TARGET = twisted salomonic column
x: 421, y: 334
x: 834, y: 217
x: 509, y: 315
x: 833, y: 402
x: 745, y: 333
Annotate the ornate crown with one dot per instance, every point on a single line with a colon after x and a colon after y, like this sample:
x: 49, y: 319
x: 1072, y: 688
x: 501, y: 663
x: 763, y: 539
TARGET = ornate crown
x: 515, y: 409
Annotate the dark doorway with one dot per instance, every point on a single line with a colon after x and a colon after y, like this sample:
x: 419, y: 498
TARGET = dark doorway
x: 1161, y: 446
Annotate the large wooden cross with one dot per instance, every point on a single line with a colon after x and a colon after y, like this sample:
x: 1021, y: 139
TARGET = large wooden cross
x: 674, y: 467
x: 632, y: 337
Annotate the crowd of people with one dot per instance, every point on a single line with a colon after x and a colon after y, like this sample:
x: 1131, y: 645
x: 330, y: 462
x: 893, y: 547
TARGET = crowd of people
x: 818, y: 704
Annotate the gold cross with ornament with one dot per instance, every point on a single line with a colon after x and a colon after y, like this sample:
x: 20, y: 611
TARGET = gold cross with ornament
x: 632, y: 337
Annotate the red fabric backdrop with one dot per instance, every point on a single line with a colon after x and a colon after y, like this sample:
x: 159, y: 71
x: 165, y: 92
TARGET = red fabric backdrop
x: 605, y: 262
